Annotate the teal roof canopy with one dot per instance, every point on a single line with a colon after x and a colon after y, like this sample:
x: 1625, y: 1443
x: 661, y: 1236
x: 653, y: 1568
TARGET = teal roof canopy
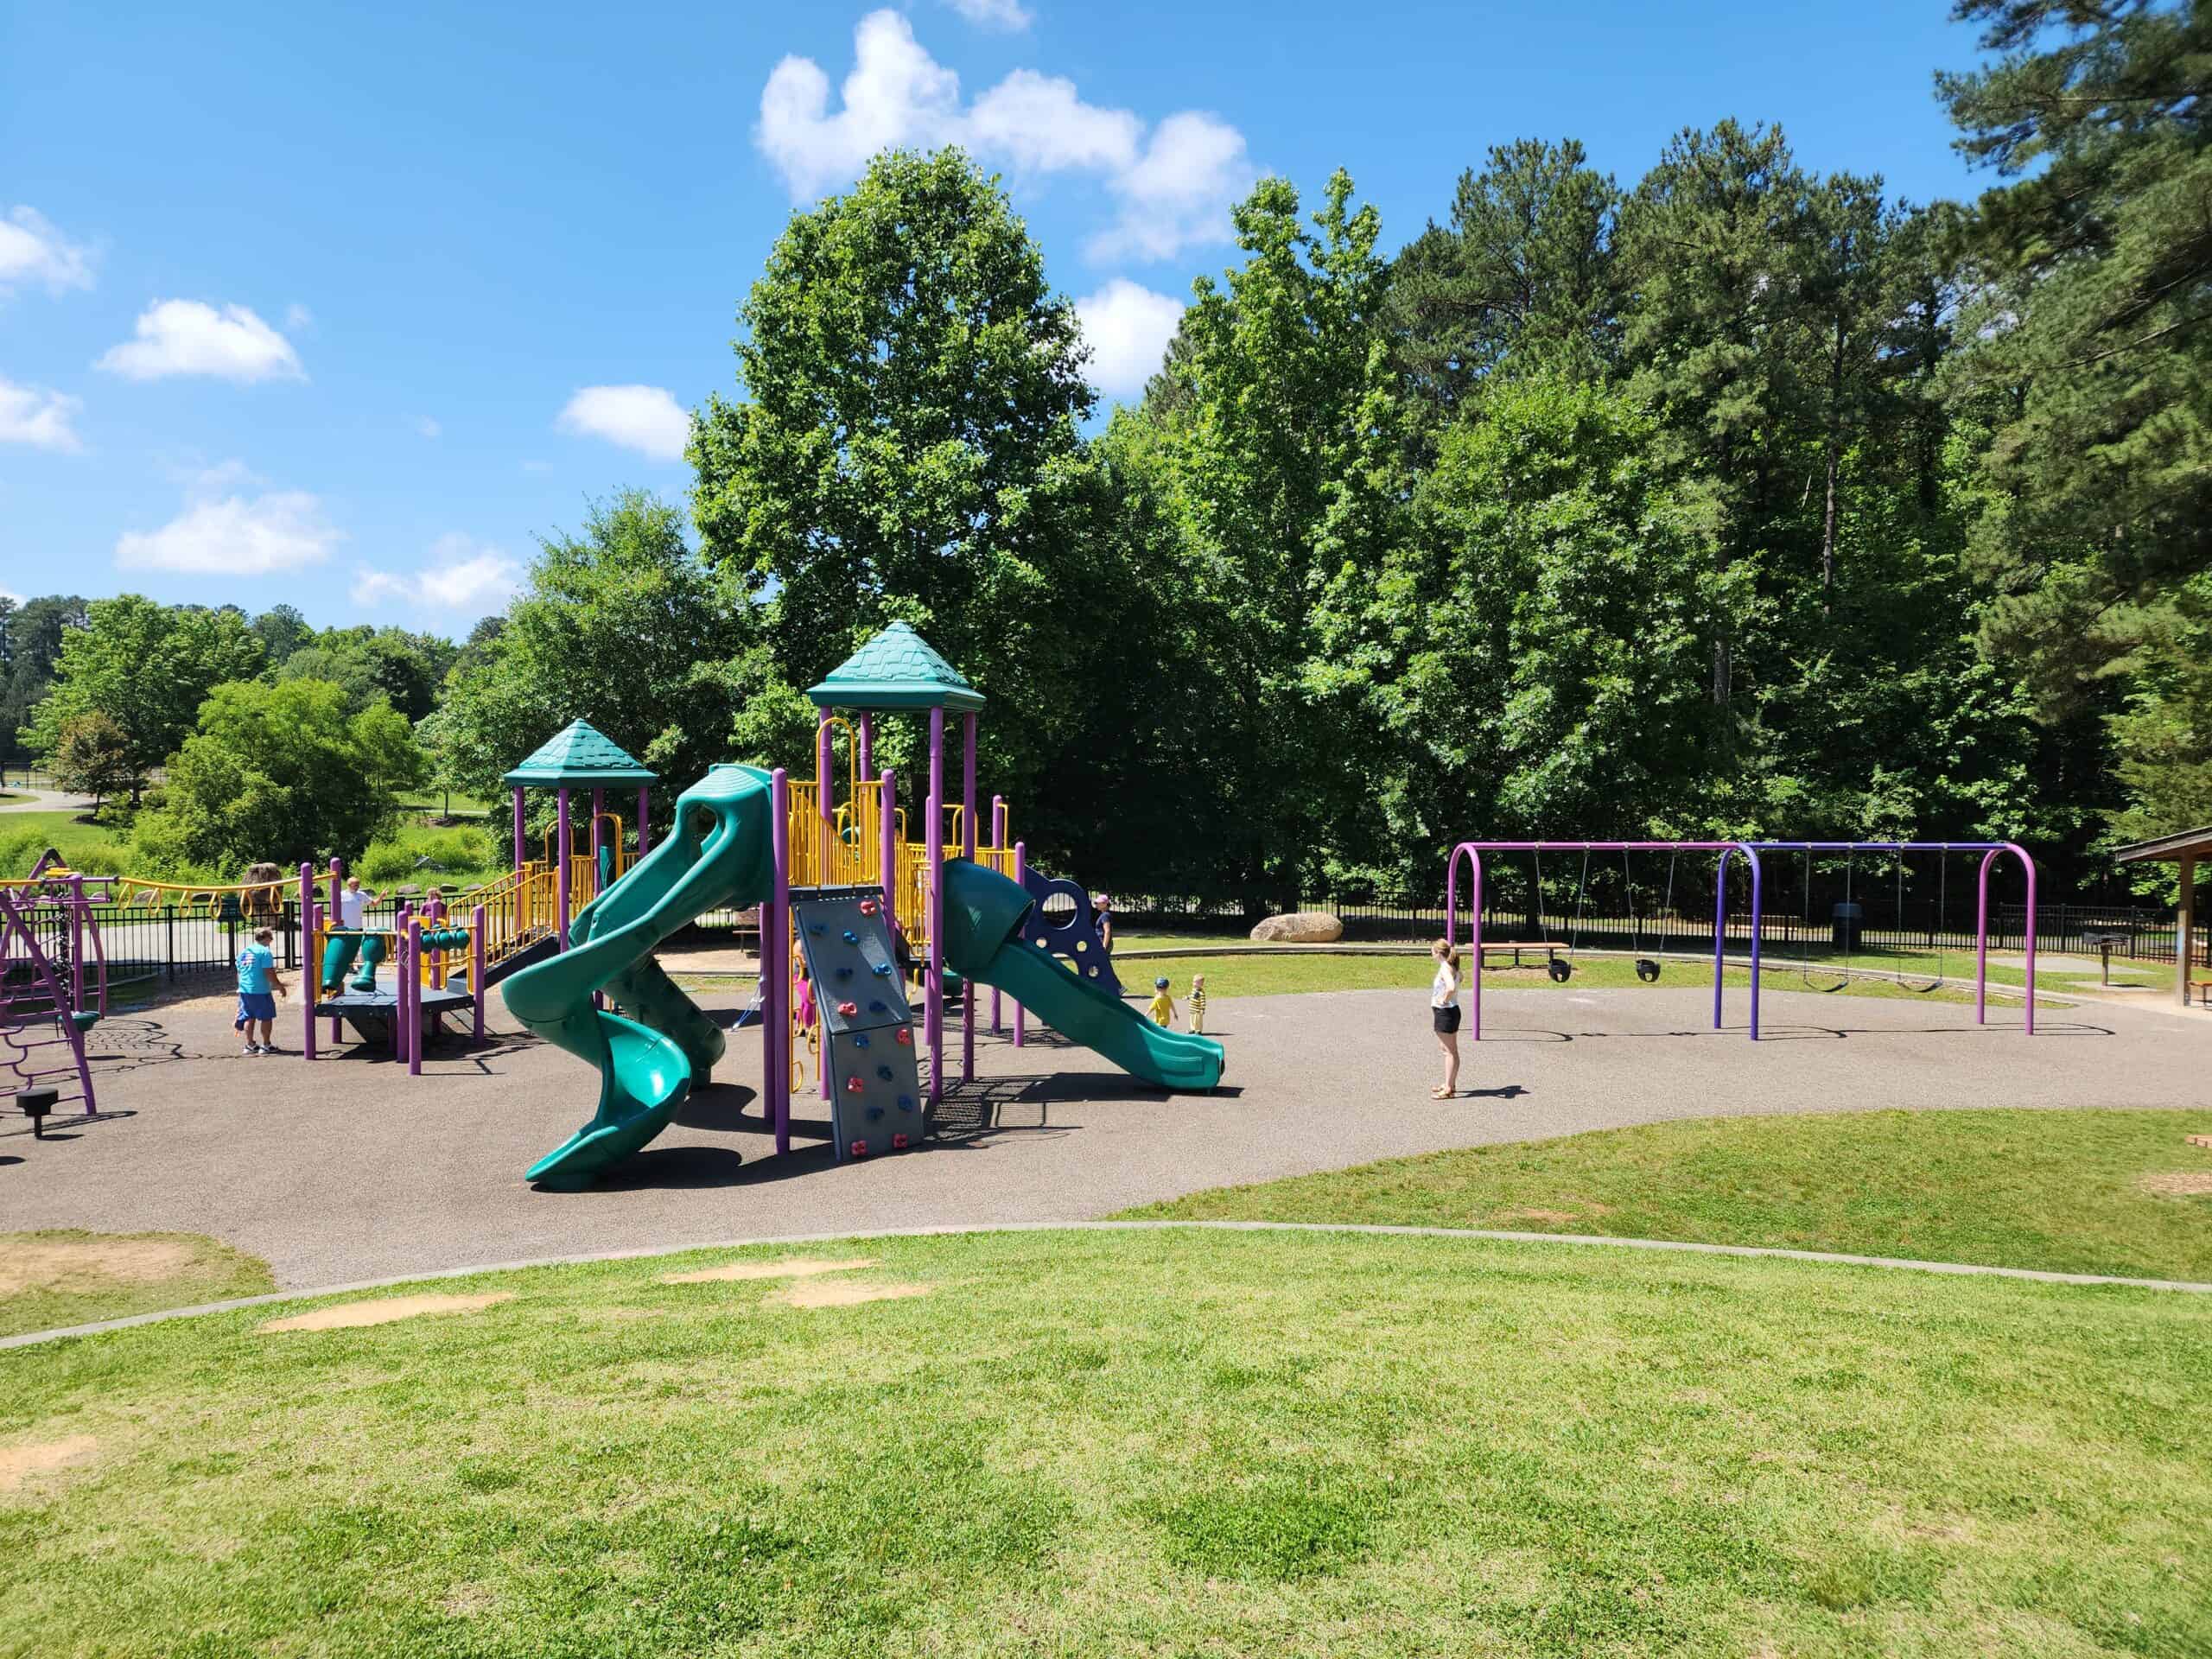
x: 896, y: 669
x: 580, y: 754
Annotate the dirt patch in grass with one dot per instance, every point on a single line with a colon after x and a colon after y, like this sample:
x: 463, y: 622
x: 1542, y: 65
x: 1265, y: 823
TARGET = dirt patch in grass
x: 19, y: 1462
x: 351, y: 1316
x: 797, y: 1267
x: 52, y: 1264
x: 843, y: 1293
x: 2179, y: 1183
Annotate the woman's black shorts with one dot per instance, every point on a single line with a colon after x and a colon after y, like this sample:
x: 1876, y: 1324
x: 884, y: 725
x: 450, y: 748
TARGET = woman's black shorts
x: 1448, y: 1019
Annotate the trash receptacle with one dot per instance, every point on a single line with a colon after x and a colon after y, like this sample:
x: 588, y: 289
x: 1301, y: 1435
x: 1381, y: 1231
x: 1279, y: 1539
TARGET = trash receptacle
x: 1843, y: 928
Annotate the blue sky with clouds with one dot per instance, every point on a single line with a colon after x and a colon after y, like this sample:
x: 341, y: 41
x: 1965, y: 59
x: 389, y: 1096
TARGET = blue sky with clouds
x: 343, y: 305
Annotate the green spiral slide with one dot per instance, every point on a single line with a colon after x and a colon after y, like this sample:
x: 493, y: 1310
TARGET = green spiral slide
x: 983, y: 941
x: 719, y: 853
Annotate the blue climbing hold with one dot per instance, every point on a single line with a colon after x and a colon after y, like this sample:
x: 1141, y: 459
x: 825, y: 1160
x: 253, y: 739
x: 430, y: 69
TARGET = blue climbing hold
x: 874, y: 1112
x: 885, y: 1073
x: 877, y: 1008
x: 816, y: 929
x: 860, y: 1040
x: 851, y: 938
x: 844, y: 973
x: 906, y: 1103
x: 883, y: 970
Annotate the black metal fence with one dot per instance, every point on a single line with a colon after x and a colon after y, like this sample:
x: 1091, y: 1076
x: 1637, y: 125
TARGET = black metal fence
x: 150, y: 945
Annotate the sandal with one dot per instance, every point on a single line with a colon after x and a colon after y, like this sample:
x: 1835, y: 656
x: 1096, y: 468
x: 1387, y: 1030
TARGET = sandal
x: 1440, y: 1094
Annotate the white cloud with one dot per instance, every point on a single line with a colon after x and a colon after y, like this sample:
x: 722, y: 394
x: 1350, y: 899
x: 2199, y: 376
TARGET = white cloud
x: 994, y: 13
x: 644, y: 418
x: 1128, y: 326
x: 1039, y: 122
x: 32, y: 251
x: 1180, y: 192
x: 40, y: 418
x: 897, y: 94
x: 233, y: 535
x: 190, y: 337
x: 1173, y: 189
x: 298, y: 317
x: 462, y: 576
x: 429, y: 427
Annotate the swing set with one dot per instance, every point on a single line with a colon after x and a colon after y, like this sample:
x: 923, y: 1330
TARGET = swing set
x: 1648, y: 955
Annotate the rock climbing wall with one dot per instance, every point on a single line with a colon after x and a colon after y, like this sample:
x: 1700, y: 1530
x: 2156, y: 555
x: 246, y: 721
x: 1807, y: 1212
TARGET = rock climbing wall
x: 876, y: 1096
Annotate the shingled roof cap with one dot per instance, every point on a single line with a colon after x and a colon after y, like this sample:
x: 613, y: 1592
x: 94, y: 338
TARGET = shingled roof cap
x: 896, y: 669
x: 580, y: 754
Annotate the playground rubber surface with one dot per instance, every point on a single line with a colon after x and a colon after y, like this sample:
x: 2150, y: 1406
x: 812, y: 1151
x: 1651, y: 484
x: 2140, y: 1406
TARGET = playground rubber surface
x: 349, y: 1170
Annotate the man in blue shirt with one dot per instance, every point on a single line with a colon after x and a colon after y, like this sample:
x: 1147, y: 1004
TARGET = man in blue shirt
x: 258, y: 977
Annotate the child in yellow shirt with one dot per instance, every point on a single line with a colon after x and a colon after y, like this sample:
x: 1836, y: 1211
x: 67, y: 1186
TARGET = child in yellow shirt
x: 1163, y: 1005
x: 1198, y: 1003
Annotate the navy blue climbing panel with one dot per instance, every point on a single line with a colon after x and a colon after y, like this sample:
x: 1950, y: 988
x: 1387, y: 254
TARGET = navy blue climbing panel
x: 875, y: 1094
x: 1071, y: 937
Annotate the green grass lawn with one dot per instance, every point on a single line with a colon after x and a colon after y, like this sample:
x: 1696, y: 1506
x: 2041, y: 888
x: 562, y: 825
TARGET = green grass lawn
x: 1121, y: 1444
x: 2075, y: 1191
x: 24, y: 836
x: 63, y: 1277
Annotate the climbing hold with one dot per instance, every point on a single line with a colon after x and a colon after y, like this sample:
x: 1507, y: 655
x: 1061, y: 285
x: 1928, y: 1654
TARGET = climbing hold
x: 851, y: 938
x: 885, y: 1073
x: 860, y: 1149
x: 898, y: 1143
x: 874, y: 1112
x: 883, y: 970
x: 844, y: 973
x: 905, y: 1038
x: 878, y: 1007
x: 854, y: 1086
x: 869, y: 907
x: 816, y: 929
x: 860, y: 1040
x: 849, y: 1009
x: 906, y: 1103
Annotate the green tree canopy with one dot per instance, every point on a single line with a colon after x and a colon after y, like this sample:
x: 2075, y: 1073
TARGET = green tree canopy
x: 147, y: 667
x: 279, y: 773
x: 623, y: 627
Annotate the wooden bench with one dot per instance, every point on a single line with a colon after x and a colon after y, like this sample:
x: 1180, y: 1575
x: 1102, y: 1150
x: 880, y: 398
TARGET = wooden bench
x: 1554, y: 964
x: 2201, y: 984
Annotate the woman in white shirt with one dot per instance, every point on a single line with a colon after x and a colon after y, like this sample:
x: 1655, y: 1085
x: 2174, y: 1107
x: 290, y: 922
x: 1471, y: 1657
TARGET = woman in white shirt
x: 1444, y: 1007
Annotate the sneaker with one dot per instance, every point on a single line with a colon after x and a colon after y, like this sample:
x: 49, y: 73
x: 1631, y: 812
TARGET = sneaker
x: 249, y: 1049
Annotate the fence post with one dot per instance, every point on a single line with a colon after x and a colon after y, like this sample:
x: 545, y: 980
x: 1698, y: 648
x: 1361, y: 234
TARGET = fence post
x: 168, y: 940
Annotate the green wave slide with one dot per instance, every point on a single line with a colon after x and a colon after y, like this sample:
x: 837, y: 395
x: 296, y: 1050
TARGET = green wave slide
x: 983, y: 941
x: 718, y: 853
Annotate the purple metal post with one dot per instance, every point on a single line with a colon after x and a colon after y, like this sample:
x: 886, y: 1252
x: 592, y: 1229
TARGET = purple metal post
x: 933, y: 852
x: 1021, y: 1013
x: 886, y: 836
x: 775, y: 968
x: 337, y: 918
x: 519, y: 848
x: 645, y: 811
x: 412, y: 979
x: 967, y: 850
x: 998, y: 843
x: 476, y: 990
x: 399, y: 920
x: 822, y: 765
x: 561, y: 867
x: 1981, y: 935
x: 310, y: 961
x: 598, y: 833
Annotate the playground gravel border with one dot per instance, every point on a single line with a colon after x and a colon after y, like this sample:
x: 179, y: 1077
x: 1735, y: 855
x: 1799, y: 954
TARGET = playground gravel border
x: 1826, y: 1258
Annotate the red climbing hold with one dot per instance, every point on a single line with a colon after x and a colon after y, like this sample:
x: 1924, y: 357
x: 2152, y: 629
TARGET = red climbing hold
x: 905, y: 1038
x: 860, y: 1149
x: 854, y: 1086
x: 867, y: 906
x: 849, y: 1009
x: 898, y: 1143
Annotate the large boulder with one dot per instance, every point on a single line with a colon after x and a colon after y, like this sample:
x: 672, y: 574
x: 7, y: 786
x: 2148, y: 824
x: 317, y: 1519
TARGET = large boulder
x: 1300, y: 927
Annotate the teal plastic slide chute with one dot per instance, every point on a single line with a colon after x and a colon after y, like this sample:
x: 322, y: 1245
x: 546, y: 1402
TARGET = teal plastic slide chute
x: 983, y: 941
x: 719, y: 854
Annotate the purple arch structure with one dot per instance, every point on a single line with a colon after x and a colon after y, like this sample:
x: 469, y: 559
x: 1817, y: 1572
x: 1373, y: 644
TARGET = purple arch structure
x: 1473, y: 851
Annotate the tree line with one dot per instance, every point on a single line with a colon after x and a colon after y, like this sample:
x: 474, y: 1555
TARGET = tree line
x: 1736, y: 499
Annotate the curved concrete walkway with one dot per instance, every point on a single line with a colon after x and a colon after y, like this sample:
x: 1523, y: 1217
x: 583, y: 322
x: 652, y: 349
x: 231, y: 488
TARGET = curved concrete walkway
x: 1482, y: 1234
x: 349, y: 1170
x: 46, y: 800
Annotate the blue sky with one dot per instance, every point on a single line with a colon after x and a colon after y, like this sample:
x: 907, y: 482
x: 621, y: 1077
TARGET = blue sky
x: 343, y: 305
